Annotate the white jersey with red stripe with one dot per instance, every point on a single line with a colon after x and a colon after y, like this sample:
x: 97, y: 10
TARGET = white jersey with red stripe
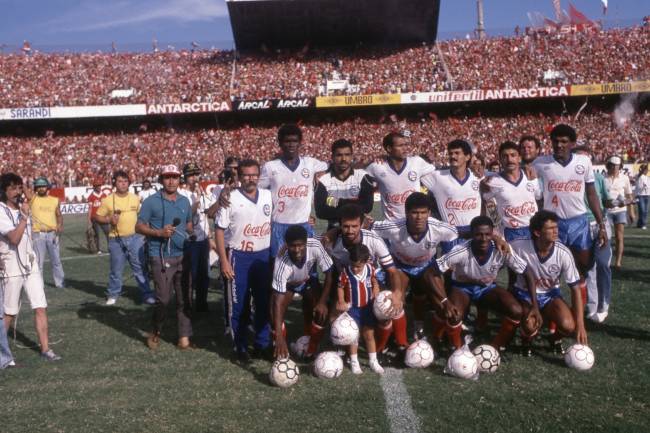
x: 467, y: 268
x: 414, y: 252
x: 516, y: 202
x: 357, y: 289
x: 246, y: 222
x: 546, y: 271
x: 395, y: 186
x: 292, y: 188
x: 563, y: 185
x: 458, y: 200
x: 379, y: 254
x: 289, y: 275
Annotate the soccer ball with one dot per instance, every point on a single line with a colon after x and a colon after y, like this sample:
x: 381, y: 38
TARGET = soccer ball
x: 299, y: 347
x: 462, y: 364
x: 419, y: 355
x: 579, y: 357
x: 344, y: 330
x: 328, y: 365
x: 488, y: 358
x: 284, y: 373
x: 383, y: 304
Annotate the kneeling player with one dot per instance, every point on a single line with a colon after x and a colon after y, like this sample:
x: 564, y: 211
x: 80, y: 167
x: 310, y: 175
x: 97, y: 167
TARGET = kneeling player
x: 548, y: 260
x: 475, y: 265
x: 290, y: 275
x: 357, y: 289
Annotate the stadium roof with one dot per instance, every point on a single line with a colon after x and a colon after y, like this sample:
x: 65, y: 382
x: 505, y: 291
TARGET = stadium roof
x: 293, y: 23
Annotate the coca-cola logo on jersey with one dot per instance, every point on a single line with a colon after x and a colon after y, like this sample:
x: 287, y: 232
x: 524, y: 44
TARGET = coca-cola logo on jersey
x: 257, y: 231
x: 305, y: 173
x: 580, y: 169
x: 569, y: 186
x: 526, y: 208
x: 412, y: 176
x: 462, y: 205
x: 399, y: 198
x: 299, y: 191
x: 267, y: 210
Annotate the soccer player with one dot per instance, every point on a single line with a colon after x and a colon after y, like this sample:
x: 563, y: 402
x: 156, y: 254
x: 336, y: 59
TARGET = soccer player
x: 48, y: 225
x: 550, y: 260
x: 474, y: 266
x: 398, y: 176
x: 357, y: 289
x: 516, y: 195
x: 120, y: 210
x: 166, y: 219
x: 243, y: 237
x: 565, y: 178
x: 342, y: 184
x: 455, y: 190
x: 619, y: 189
x: 291, y: 272
x: 94, y: 202
x: 412, y: 241
x: 21, y: 269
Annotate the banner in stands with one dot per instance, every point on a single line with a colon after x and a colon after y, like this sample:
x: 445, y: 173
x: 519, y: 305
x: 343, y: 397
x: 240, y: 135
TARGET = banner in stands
x: 610, y: 88
x: 188, y: 107
x: 272, y: 104
x: 358, y: 100
x: 73, y: 208
x: 484, y: 95
x: 72, y: 112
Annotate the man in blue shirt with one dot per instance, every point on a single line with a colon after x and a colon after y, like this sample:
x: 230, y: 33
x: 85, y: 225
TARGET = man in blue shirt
x: 165, y: 218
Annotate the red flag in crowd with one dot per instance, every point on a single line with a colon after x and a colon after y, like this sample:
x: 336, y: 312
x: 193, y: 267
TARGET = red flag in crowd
x: 577, y: 17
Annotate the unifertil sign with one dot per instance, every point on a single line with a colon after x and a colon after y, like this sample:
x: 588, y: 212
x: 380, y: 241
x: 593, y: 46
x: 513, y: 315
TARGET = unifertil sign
x: 188, y: 107
x: 273, y: 104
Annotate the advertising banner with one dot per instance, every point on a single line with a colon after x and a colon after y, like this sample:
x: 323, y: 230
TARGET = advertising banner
x: 610, y: 88
x: 272, y: 104
x: 358, y: 100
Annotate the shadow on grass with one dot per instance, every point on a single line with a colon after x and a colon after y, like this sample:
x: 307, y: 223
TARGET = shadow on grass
x: 90, y: 287
x: 128, y: 322
x: 620, y: 331
x: 24, y: 341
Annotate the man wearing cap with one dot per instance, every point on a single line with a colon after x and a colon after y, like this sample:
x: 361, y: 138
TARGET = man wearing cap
x: 94, y: 202
x: 197, y: 248
x: 619, y: 189
x: 120, y: 210
x: 166, y: 219
x: 48, y: 225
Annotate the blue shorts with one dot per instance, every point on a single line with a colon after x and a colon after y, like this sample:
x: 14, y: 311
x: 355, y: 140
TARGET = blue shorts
x: 542, y: 298
x: 277, y: 235
x: 574, y: 233
x: 511, y: 234
x: 474, y: 291
x: 445, y: 247
x: 414, y: 271
x: 364, y: 316
x: 617, y: 218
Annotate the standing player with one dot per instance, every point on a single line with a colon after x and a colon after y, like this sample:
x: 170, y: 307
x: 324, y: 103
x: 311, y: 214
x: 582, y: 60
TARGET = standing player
x: 516, y: 195
x: 549, y: 260
x: 398, y: 176
x: 474, y: 266
x: 342, y: 184
x: 455, y: 190
x: 291, y: 272
x: 291, y: 181
x: 94, y: 202
x: 243, y: 237
x: 412, y: 241
x: 565, y: 178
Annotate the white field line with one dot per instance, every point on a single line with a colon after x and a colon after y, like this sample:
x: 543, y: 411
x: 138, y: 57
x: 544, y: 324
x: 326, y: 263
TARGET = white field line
x: 399, y: 410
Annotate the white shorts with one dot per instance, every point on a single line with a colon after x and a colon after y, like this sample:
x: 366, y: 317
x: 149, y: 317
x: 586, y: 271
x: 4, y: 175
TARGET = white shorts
x: 13, y: 287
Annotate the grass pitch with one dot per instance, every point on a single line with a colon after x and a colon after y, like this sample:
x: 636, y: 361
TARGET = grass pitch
x: 108, y: 381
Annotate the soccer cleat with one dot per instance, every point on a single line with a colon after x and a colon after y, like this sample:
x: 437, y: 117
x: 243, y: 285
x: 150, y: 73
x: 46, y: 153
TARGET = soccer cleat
x: 557, y: 348
x: 243, y: 358
x: 526, y: 351
x: 50, y: 356
x: 376, y: 367
x: 111, y: 301
x: 355, y: 367
x: 149, y: 300
x: 263, y: 353
x: 418, y: 334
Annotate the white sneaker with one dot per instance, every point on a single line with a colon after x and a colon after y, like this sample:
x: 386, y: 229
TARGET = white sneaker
x: 374, y: 366
x: 111, y: 301
x: 600, y: 317
x: 644, y: 228
x: 355, y: 367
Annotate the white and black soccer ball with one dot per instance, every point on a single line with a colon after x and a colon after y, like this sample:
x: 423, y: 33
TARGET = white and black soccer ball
x: 344, y: 330
x: 299, y: 347
x: 419, y: 355
x: 488, y: 358
x: 462, y: 363
x: 383, y: 304
x: 579, y: 357
x: 328, y: 365
x: 284, y: 373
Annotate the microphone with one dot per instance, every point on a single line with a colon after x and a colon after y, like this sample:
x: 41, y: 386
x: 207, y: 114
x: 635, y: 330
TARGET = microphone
x: 176, y: 222
x: 20, y: 200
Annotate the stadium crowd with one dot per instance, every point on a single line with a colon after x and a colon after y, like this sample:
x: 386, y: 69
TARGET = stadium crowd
x: 42, y: 79
x: 80, y: 158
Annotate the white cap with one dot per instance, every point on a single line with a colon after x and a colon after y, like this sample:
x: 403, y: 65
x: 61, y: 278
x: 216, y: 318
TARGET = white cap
x: 169, y: 169
x: 616, y: 160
